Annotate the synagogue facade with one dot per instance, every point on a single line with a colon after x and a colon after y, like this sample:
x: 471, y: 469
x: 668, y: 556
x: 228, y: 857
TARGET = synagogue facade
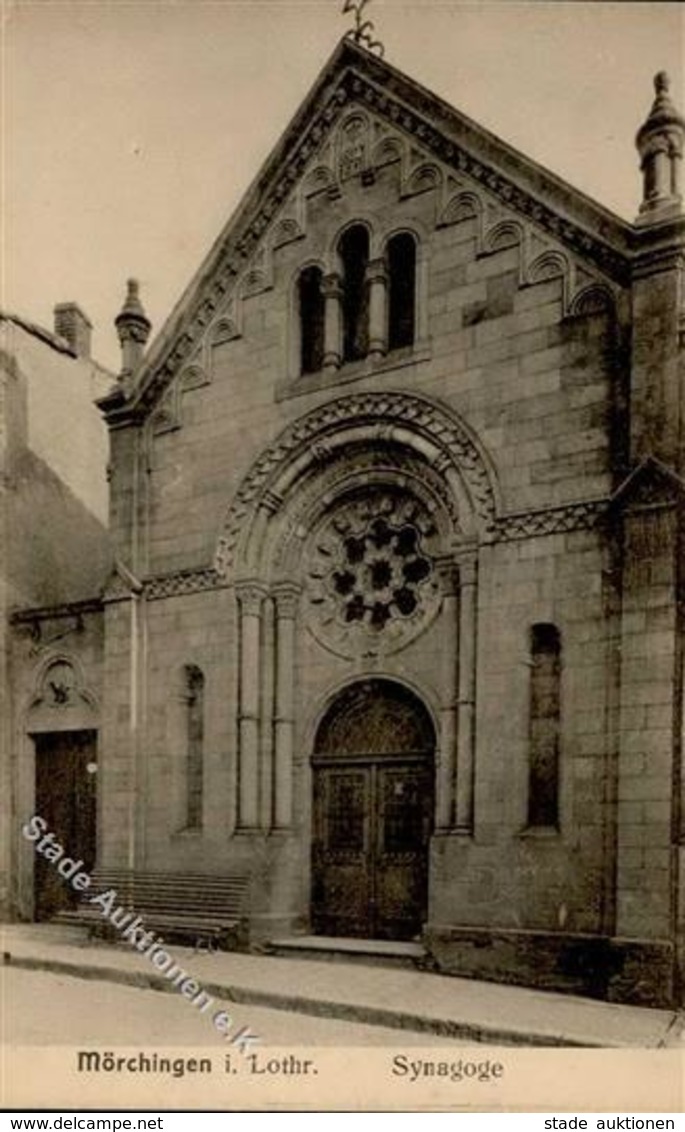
x: 396, y: 501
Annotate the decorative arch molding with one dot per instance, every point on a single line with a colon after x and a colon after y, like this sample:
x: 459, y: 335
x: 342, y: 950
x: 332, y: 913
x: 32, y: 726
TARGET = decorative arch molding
x: 224, y: 329
x: 334, y: 692
x: 464, y: 205
x: 321, y: 179
x: 286, y: 231
x: 553, y: 264
x: 192, y: 377
x: 371, y: 468
x: 414, y: 423
x: 388, y: 151
x: 167, y: 415
x: 425, y: 178
x: 361, y: 219
x: 352, y: 145
x: 504, y: 234
x: 593, y: 299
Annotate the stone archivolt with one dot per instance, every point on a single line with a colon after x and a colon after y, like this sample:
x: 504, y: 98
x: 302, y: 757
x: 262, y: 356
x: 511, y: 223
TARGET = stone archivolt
x: 408, y: 423
x: 351, y: 471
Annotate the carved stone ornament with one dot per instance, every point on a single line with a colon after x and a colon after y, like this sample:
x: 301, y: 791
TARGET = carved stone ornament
x: 353, y: 147
x: 182, y: 582
x: 59, y: 689
x: 251, y: 596
x: 372, y: 585
x: 59, y: 684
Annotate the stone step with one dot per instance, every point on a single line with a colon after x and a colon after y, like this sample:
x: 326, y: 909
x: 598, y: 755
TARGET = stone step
x: 381, y: 952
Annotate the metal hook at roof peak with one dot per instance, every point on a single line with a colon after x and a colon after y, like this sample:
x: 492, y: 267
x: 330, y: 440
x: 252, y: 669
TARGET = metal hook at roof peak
x: 363, y: 30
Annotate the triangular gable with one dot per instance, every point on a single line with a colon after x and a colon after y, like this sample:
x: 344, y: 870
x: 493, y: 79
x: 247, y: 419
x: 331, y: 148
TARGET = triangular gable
x: 433, y: 130
x: 650, y: 483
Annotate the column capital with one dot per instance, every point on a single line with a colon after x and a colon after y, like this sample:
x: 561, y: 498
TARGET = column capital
x: 448, y: 573
x: 287, y: 597
x: 332, y: 286
x: 377, y: 270
x: 250, y: 593
x: 468, y: 569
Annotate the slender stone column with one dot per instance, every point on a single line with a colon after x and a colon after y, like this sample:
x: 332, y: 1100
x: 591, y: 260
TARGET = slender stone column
x: 331, y: 287
x: 287, y: 596
x: 377, y: 281
x: 446, y: 755
x: 250, y: 597
x: 268, y: 662
x: 467, y: 694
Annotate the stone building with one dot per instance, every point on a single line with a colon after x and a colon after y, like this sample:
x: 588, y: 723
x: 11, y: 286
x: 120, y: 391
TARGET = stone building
x: 396, y: 499
x: 54, y: 552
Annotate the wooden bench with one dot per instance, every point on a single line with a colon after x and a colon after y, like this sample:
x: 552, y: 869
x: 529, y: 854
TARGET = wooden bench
x: 206, y: 909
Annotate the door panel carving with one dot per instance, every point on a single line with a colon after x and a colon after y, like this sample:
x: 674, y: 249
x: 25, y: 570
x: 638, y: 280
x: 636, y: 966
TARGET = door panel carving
x: 373, y: 813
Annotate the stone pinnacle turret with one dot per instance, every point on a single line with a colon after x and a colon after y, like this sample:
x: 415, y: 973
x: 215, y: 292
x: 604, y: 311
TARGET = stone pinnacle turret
x: 133, y: 327
x: 660, y: 145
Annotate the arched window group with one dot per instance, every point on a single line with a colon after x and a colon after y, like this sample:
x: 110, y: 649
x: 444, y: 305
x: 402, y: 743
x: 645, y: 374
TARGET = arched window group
x: 401, y: 291
x: 354, y: 257
x: 312, y: 320
x: 376, y: 302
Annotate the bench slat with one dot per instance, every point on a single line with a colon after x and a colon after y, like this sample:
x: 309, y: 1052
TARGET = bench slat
x: 190, y: 904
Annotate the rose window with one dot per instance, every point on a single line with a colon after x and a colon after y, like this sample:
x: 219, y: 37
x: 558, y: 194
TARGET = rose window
x: 380, y: 574
x: 373, y: 579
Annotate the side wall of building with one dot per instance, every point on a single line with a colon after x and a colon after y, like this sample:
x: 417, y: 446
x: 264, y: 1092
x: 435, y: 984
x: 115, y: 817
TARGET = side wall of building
x: 54, y: 552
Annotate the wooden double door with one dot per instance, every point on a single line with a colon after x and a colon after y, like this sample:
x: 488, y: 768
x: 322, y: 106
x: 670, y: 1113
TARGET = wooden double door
x: 66, y: 799
x: 373, y: 815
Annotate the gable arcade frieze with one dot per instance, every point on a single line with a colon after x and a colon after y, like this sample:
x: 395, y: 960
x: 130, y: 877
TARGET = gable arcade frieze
x: 301, y: 168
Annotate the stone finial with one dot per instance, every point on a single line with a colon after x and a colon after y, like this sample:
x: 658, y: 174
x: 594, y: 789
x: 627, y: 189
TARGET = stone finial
x: 660, y: 145
x: 133, y: 327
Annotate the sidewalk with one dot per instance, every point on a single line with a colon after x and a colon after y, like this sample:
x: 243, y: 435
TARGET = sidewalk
x: 404, y: 999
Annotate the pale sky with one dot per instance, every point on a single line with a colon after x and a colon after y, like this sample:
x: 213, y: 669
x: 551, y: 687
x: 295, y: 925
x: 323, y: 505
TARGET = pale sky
x: 131, y: 129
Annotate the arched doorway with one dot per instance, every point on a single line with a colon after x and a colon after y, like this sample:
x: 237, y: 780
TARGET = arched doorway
x: 373, y: 813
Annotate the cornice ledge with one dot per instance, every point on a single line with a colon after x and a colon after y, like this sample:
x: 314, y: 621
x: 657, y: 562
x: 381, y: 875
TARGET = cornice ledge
x: 118, y: 409
x: 55, y: 612
x: 181, y: 582
x: 658, y: 247
x: 574, y: 516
